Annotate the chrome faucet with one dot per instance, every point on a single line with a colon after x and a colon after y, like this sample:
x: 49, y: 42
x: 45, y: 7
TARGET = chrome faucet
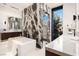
x: 74, y: 19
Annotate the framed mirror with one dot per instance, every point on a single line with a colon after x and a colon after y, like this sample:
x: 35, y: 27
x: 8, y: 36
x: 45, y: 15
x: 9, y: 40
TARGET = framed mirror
x: 14, y: 23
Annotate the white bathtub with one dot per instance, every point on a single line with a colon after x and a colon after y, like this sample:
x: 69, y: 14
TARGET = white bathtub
x: 24, y: 45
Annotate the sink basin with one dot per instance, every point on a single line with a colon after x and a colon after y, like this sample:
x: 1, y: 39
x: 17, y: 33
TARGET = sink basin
x: 74, y: 38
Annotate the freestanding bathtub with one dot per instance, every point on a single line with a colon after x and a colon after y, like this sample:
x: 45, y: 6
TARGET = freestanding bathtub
x: 24, y: 45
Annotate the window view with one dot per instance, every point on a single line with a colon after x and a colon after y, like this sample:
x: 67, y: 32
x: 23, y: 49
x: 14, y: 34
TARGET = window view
x: 57, y: 20
x: 45, y: 19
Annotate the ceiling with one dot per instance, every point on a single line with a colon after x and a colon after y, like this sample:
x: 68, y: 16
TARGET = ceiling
x: 21, y: 6
x: 17, y: 6
x: 53, y: 5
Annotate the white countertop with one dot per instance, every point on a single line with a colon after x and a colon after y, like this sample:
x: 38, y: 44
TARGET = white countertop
x: 10, y: 31
x: 23, y: 45
x: 64, y: 45
x: 21, y: 40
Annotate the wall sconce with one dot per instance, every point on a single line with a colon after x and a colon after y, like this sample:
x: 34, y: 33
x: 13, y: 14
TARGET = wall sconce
x: 4, y: 22
x: 74, y: 17
x: 78, y: 17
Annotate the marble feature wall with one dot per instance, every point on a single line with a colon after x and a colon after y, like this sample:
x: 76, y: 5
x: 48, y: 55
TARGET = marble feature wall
x: 33, y: 26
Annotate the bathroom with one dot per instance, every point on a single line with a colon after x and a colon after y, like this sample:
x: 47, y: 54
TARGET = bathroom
x: 39, y: 27
x: 22, y: 23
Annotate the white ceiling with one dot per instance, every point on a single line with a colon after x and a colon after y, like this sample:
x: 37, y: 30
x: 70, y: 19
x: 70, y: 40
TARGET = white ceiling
x: 18, y: 6
x: 53, y: 5
x: 21, y: 6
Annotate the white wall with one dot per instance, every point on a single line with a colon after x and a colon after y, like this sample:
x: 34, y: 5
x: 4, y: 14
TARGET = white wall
x: 5, y: 13
x: 77, y: 12
x: 68, y: 12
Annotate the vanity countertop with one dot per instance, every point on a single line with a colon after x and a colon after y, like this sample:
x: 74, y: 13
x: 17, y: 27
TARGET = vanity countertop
x: 64, y: 46
x: 10, y: 31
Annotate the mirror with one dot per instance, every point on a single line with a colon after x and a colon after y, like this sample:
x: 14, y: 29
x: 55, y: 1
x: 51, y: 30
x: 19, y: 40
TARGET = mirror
x: 14, y: 23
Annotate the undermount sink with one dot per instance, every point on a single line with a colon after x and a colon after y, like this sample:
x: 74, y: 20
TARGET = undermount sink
x: 74, y: 38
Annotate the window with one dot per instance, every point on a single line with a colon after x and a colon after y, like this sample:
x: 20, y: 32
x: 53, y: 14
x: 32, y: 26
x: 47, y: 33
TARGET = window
x: 57, y: 22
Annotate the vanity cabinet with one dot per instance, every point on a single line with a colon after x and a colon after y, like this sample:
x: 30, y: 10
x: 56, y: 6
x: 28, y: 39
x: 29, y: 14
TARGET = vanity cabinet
x: 48, y: 53
x: 6, y: 35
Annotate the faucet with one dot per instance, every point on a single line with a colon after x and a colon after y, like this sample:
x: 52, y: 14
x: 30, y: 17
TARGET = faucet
x: 74, y: 32
x: 73, y: 26
x: 74, y: 19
